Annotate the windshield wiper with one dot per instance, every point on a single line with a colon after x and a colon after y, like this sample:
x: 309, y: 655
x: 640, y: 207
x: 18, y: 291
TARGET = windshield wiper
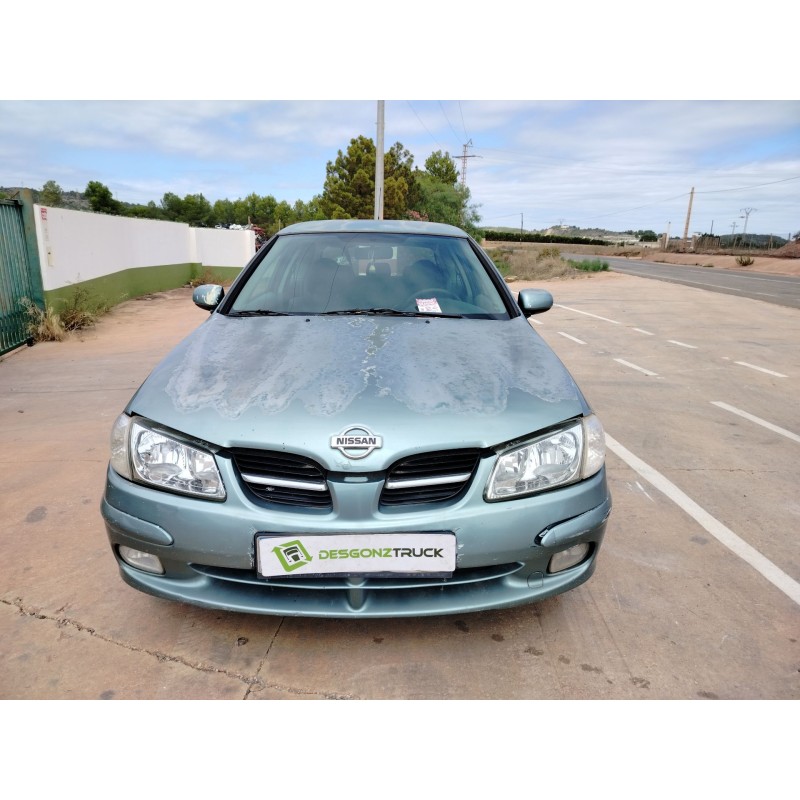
x: 258, y: 312
x: 388, y: 312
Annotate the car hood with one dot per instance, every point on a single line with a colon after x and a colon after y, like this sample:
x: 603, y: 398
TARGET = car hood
x: 290, y: 383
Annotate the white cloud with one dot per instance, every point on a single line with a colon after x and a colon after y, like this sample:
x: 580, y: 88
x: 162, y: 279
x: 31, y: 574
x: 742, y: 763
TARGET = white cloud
x: 619, y: 164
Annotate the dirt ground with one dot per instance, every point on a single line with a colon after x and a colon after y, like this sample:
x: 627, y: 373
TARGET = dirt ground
x: 775, y: 266
x: 770, y: 264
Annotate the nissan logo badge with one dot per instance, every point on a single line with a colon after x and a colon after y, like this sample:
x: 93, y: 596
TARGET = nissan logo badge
x: 356, y: 442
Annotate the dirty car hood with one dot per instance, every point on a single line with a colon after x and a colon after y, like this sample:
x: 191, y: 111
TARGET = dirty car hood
x: 292, y: 382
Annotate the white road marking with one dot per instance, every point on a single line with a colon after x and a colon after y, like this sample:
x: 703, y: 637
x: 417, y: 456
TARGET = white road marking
x: 646, y: 333
x: 681, y: 344
x: 633, y: 366
x: 578, y: 311
x: 537, y: 322
x: 757, y: 420
x: 761, y: 369
x: 776, y: 576
x: 574, y: 339
x: 715, y: 285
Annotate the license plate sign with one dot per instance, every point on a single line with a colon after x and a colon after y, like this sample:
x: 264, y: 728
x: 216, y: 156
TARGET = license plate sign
x: 354, y: 554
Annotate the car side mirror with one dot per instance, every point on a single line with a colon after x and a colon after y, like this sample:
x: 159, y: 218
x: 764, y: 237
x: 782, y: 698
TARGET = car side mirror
x: 208, y: 296
x: 534, y: 301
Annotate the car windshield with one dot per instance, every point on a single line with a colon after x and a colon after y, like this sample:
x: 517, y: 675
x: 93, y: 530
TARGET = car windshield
x: 369, y: 273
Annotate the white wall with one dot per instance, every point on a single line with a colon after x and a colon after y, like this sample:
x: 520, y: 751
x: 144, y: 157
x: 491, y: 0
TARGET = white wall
x: 76, y: 246
x: 223, y: 248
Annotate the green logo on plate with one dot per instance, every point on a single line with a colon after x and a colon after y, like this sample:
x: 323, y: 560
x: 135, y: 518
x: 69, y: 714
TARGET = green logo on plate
x: 292, y: 555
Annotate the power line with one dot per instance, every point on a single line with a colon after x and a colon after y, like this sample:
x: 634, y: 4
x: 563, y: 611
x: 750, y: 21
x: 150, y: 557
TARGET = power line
x: 460, y: 111
x: 685, y: 194
x: 517, y: 156
x: 504, y: 216
x: 646, y: 205
x: 757, y: 186
x: 448, y: 121
x: 424, y: 125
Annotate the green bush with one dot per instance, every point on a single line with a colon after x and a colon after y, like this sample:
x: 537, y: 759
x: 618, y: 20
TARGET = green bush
x: 744, y: 261
x: 81, y: 310
x: 500, y: 260
x: 595, y: 265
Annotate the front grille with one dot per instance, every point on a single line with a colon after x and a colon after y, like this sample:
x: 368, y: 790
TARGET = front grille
x: 282, y: 477
x: 430, y: 477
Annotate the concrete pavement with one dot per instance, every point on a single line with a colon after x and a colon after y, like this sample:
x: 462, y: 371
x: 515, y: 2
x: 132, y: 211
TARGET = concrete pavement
x: 669, y: 614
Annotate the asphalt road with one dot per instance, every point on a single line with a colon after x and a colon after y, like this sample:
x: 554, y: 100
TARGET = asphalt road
x: 696, y: 593
x: 783, y: 290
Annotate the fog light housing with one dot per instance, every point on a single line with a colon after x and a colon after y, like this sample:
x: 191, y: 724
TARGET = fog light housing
x: 568, y: 558
x: 138, y: 559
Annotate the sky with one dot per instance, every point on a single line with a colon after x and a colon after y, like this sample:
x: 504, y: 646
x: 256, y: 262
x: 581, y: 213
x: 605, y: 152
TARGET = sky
x: 611, y: 164
x: 589, y: 125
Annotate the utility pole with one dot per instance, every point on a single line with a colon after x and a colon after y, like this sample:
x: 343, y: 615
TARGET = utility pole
x: 688, y: 216
x: 746, y: 212
x: 379, y: 165
x: 521, y: 227
x: 464, y: 158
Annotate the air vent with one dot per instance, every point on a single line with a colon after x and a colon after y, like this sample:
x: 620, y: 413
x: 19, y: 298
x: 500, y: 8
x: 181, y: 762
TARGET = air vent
x: 430, y: 477
x: 283, y: 477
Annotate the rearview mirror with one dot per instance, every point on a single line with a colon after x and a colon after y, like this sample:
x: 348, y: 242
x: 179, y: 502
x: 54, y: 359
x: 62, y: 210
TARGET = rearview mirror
x: 534, y: 301
x: 208, y: 296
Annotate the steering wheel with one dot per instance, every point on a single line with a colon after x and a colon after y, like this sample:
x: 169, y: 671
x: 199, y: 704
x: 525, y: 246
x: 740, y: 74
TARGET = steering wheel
x: 432, y: 292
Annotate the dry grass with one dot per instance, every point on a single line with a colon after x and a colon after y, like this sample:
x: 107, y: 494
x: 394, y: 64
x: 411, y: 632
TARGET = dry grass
x: 43, y: 326
x: 532, y: 263
x: 79, y: 311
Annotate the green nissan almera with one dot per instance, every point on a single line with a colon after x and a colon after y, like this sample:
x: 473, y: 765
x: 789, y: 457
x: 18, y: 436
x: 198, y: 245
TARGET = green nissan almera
x: 365, y: 425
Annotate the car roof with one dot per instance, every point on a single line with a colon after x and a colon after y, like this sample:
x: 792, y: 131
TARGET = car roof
x: 373, y: 226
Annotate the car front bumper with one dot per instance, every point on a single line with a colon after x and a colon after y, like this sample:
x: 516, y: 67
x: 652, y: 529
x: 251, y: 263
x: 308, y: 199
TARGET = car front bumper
x: 504, y: 548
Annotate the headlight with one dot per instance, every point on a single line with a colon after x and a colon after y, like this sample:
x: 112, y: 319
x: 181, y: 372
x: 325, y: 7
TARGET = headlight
x: 148, y: 456
x: 565, y: 456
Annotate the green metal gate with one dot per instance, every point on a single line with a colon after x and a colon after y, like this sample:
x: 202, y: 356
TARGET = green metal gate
x: 15, y: 277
